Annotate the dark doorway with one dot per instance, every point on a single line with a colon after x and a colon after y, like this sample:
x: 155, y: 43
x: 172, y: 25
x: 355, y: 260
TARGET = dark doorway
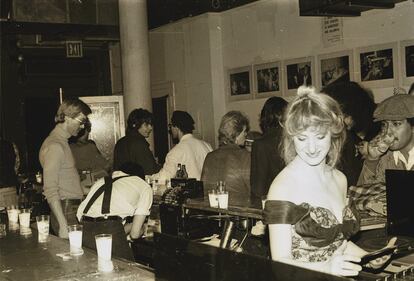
x: 160, y: 112
x: 39, y: 115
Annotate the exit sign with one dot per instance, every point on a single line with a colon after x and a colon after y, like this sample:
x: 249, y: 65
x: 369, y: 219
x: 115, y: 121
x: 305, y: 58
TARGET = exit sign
x: 74, y: 49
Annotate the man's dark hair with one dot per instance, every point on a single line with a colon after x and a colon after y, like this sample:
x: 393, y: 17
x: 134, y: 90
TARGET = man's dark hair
x: 183, y: 121
x: 272, y: 113
x: 356, y: 102
x: 137, y: 117
x: 133, y: 169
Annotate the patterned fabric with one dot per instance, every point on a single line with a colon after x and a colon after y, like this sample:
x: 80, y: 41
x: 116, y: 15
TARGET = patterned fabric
x: 316, y: 233
x: 371, y: 183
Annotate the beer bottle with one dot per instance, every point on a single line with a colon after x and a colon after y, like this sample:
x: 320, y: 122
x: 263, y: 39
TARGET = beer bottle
x: 184, y: 172
x: 179, y: 173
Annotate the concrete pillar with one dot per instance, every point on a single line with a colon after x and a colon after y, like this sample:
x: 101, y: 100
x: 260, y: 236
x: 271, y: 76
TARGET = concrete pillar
x: 133, y: 27
x: 135, y: 54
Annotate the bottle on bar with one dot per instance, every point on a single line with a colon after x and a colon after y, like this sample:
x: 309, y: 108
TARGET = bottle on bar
x: 184, y: 172
x: 179, y: 173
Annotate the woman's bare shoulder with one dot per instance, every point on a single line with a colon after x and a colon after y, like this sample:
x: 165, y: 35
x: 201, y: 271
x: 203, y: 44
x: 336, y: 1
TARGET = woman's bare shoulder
x: 283, y: 186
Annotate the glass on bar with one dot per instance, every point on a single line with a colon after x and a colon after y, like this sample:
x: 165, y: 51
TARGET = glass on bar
x: 75, y: 239
x: 43, y: 228
x: 24, y: 219
x: 104, y: 250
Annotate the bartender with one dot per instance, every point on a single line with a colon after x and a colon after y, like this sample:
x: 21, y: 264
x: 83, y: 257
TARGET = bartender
x: 117, y: 205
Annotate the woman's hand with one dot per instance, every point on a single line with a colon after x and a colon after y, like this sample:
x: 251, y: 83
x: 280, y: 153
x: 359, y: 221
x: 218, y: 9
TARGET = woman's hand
x: 344, y: 264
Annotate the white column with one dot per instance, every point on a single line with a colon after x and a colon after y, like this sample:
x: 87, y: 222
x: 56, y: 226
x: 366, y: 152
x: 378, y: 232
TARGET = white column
x: 135, y: 54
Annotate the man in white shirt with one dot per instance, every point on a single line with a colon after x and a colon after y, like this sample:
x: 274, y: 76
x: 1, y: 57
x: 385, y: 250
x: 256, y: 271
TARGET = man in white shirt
x: 189, y: 150
x: 107, y: 210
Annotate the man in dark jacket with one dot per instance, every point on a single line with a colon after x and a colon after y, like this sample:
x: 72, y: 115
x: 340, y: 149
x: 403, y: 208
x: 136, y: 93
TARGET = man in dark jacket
x: 134, y: 146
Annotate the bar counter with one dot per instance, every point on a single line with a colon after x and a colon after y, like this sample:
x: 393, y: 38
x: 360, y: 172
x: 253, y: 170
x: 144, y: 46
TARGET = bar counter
x: 25, y: 259
x: 252, y: 211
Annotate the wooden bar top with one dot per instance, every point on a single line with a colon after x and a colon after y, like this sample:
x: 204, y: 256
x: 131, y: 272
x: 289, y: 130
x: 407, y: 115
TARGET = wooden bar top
x: 25, y: 259
x: 252, y: 211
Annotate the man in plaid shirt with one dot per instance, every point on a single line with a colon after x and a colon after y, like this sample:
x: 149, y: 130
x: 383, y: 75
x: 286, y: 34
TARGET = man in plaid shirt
x: 393, y: 149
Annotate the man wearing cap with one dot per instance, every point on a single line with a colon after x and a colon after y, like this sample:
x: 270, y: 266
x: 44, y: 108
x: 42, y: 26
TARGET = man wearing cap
x: 392, y: 149
x: 189, y: 150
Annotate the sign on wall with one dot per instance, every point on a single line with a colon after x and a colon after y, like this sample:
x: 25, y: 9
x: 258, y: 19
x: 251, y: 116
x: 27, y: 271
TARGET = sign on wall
x: 74, y: 49
x: 331, y: 31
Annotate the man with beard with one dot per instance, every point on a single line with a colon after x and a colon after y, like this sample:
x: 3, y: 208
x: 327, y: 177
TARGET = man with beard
x: 61, y: 180
x: 393, y: 149
x: 189, y: 151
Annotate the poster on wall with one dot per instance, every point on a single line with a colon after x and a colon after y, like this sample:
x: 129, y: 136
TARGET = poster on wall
x: 407, y: 63
x: 331, y: 31
x: 299, y: 72
x: 267, y: 79
x: 240, y: 83
x: 335, y: 67
x: 377, y: 66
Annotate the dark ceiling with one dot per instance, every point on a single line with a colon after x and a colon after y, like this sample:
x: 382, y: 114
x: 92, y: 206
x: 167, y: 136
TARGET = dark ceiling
x: 161, y: 12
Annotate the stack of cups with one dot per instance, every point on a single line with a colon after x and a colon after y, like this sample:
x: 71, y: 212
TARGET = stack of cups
x: 104, y: 249
x: 13, y: 215
x: 24, y: 219
x: 43, y: 228
x: 75, y: 239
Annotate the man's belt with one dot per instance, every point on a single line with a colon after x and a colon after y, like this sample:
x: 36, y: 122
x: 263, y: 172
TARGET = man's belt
x: 71, y: 201
x: 100, y: 219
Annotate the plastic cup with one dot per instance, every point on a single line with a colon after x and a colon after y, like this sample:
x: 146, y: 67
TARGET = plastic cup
x: 13, y: 214
x: 75, y: 239
x: 213, y: 198
x: 223, y: 199
x: 104, y: 249
x: 24, y: 220
x: 104, y: 246
x: 43, y: 228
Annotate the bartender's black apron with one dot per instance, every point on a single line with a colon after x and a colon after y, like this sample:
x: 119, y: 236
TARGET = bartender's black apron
x: 106, y: 224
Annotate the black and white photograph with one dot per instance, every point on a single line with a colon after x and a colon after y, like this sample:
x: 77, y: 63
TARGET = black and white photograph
x: 267, y: 79
x: 377, y: 65
x: 240, y: 83
x: 334, y: 70
x: 299, y: 74
x: 409, y: 61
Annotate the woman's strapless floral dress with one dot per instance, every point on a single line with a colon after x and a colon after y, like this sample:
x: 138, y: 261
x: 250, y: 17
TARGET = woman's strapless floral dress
x: 316, y: 233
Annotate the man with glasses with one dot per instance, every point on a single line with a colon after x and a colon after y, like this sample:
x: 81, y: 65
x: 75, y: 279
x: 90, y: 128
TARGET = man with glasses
x: 62, y: 187
x: 392, y: 149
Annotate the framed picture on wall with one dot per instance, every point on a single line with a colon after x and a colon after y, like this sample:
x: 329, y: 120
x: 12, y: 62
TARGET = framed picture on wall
x: 240, y: 83
x: 377, y: 66
x: 407, y: 62
x: 298, y: 72
x: 335, y: 67
x: 267, y: 80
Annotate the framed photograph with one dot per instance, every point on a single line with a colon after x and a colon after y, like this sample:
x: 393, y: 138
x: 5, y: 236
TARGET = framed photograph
x: 377, y: 66
x: 267, y: 78
x: 407, y: 62
x: 240, y: 83
x: 298, y: 72
x: 335, y: 67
